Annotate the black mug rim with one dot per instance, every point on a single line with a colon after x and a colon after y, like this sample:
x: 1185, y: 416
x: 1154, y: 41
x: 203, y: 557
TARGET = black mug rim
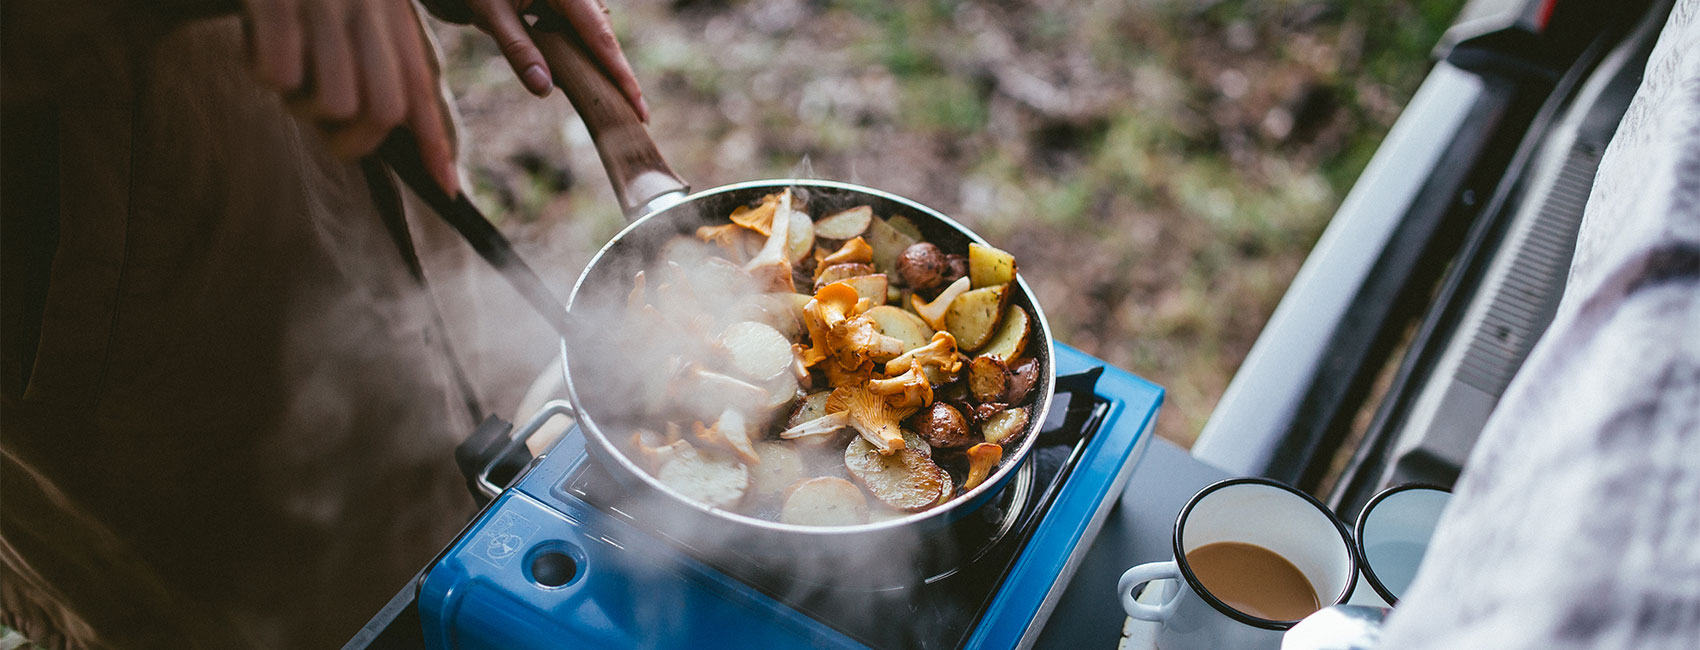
x: 1358, y: 534
x: 1230, y: 612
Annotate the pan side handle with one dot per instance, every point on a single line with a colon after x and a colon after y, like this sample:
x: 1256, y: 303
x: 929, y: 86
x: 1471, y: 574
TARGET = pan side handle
x: 642, y: 178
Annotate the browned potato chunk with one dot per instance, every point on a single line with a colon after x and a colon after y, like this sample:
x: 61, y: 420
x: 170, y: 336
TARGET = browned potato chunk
x: 1022, y: 378
x: 1004, y: 427
x: 903, y: 225
x: 809, y: 408
x: 869, y: 287
x: 888, y: 245
x: 974, y: 315
x: 941, y: 425
x: 1011, y: 338
x: 717, y: 480
x: 846, y: 224
x: 906, y: 480
x: 800, y: 240
x: 989, y: 267
x: 836, y: 272
x: 824, y: 501
x: 900, y: 324
x: 988, y: 378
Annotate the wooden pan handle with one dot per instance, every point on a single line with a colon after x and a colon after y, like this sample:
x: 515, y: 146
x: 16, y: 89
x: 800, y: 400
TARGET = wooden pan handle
x: 634, y: 164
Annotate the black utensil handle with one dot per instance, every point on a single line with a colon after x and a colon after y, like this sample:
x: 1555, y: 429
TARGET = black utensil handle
x: 401, y: 152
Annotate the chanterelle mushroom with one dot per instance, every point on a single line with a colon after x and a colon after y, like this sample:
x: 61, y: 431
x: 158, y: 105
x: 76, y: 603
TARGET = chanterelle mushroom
x: 771, y: 267
x: 857, y: 339
x: 982, y: 458
x: 910, y: 389
x: 939, y: 353
x: 856, y: 250
x: 822, y: 426
x: 730, y: 237
x: 873, y: 417
x: 760, y: 218
x: 933, y: 312
x: 830, y: 306
x: 731, y: 430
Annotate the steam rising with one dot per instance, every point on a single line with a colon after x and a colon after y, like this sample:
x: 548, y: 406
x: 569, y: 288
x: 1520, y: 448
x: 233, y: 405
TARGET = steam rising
x: 627, y: 368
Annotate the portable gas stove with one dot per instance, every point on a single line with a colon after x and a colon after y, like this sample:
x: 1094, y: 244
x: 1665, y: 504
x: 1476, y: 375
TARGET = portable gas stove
x: 550, y: 564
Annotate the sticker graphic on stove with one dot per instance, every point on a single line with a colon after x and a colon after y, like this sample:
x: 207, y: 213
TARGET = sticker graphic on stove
x: 503, y: 539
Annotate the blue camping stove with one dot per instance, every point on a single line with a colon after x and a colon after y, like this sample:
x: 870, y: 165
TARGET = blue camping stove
x: 552, y: 564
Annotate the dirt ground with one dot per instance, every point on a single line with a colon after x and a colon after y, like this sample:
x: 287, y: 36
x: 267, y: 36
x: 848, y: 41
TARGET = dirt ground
x: 1159, y: 169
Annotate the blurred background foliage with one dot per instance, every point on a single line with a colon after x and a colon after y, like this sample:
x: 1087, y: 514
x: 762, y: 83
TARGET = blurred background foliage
x: 1159, y: 168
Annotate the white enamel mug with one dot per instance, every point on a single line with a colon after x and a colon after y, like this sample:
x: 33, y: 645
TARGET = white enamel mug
x: 1254, y: 511
x: 1393, y: 532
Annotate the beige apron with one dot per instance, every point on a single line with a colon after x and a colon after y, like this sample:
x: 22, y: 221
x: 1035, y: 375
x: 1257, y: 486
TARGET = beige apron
x: 236, y: 426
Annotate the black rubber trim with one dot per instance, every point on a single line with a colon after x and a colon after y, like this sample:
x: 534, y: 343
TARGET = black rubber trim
x: 1358, y: 534
x: 1198, y: 587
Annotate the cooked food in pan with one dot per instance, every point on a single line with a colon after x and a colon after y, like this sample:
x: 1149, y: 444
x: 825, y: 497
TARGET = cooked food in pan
x: 827, y: 371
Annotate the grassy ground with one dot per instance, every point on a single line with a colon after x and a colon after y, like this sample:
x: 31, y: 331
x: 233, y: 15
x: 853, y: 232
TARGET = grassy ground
x: 1160, y: 169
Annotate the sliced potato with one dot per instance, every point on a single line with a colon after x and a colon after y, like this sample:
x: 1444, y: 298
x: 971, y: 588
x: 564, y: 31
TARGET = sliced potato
x: 1011, y: 338
x: 756, y: 351
x: 904, y: 225
x: 902, y: 325
x: 905, y: 480
x: 975, y: 315
x: 1004, y: 427
x: 776, y: 310
x: 717, y: 480
x: 869, y: 287
x: 800, y: 241
x: 811, y: 407
x: 846, y: 224
x: 988, y: 266
x: 782, y: 390
x: 988, y: 379
x: 888, y: 244
x: 781, y: 466
x: 829, y: 274
x: 912, y: 440
x: 824, y: 501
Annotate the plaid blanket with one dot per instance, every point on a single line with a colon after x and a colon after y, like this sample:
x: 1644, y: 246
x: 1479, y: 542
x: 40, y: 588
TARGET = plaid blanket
x: 1576, y: 523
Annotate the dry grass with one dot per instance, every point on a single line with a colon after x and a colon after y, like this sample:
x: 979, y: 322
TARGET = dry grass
x: 1159, y: 168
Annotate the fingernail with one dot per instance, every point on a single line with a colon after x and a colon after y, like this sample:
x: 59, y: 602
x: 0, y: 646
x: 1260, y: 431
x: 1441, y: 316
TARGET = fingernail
x: 536, y: 79
x: 643, y: 107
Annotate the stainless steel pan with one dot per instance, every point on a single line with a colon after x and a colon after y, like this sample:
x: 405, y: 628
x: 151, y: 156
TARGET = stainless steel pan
x: 660, y: 208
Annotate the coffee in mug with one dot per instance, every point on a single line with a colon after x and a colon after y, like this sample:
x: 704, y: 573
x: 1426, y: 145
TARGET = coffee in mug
x: 1251, y: 557
x: 1254, y: 580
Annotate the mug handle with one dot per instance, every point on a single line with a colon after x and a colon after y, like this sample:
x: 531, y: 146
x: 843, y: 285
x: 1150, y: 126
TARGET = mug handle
x: 1146, y: 573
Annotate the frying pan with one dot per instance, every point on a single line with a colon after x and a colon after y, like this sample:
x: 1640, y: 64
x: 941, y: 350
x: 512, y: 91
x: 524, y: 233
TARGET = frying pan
x: 657, y: 202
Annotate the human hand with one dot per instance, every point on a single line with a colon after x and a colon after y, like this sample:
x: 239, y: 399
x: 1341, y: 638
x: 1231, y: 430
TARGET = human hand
x: 589, y: 18
x: 357, y: 69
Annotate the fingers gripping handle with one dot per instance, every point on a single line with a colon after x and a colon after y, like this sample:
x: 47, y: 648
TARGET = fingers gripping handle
x: 1146, y: 573
x: 635, y: 166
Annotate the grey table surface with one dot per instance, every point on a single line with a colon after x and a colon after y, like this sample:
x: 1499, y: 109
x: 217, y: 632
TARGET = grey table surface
x: 1139, y: 529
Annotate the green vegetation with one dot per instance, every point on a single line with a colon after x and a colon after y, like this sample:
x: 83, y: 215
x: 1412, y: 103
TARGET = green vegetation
x: 1159, y: 168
